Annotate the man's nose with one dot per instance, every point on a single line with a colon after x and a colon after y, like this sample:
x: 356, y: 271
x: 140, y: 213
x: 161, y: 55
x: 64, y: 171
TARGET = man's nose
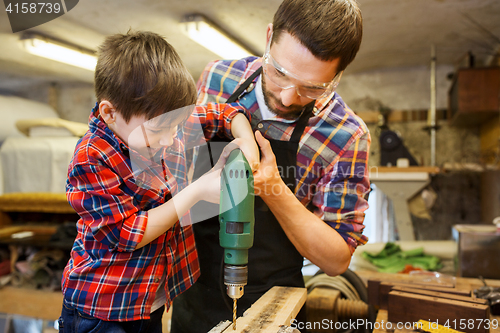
x: 289, y: 96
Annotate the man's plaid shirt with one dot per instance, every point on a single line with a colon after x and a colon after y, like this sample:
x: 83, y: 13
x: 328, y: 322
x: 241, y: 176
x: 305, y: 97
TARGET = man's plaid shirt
x: 332, y: 161
x: 106, y: 276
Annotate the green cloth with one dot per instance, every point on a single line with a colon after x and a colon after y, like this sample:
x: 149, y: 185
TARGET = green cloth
x: 393, y: 260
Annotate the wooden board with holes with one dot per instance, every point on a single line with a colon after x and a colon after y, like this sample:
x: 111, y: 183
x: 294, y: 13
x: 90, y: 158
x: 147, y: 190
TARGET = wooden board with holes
x: 410, y: 308
x: 275, y: 308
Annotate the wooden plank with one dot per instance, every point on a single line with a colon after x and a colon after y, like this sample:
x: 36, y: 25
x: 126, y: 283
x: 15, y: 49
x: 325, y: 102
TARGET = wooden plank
x: 275, y: 308
x: 379, y: 327
x: 440, y: 294
x: 409, y: 308
x: 374, y: 292
x: 220, y: 327
x: 432, y: 170
x: 382, y: 324
x: 461, y: 283
x: 386, y: 287
x: 5, y: 219
x: 32, y: 303
x: 35, y: 202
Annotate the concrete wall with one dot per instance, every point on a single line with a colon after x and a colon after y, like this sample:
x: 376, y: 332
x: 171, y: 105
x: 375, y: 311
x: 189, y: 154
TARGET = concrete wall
x: 454, y: 145
x: 395, y: 89
x: 72, y: 101
x: 408, y: 89
x: 76, y: 101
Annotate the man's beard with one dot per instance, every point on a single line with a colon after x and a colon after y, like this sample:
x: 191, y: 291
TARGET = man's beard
x: 292, y: 112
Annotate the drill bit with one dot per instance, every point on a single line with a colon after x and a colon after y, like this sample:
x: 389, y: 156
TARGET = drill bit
x: 234, y: 314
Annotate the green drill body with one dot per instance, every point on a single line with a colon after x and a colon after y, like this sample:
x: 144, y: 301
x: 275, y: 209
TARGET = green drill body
x: 236, y: 214
x: 236, y: 218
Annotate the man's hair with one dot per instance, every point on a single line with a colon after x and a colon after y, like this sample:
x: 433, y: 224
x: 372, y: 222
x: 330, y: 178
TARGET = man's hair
x: 330, y: 29
x: 140, y: 73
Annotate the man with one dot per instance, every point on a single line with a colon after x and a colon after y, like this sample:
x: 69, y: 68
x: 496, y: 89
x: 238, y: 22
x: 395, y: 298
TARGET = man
x: 312, y: 184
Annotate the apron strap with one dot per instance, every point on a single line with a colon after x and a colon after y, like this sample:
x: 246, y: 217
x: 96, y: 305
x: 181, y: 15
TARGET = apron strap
x: 302, y: 122
x: 233, y: 98
x: 236, y: 95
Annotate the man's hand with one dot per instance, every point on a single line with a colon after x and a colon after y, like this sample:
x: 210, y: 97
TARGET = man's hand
x: 267, y: 179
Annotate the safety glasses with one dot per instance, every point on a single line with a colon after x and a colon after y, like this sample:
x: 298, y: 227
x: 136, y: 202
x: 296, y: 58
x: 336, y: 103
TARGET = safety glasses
x: 286, y: 80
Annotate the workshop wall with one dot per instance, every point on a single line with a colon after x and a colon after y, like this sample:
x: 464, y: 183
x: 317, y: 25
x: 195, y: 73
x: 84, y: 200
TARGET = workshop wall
x: 455, y: 146
x: 76, y: 101
x: 395, y: 89
x: 458, y: 201
x: 72, y: 101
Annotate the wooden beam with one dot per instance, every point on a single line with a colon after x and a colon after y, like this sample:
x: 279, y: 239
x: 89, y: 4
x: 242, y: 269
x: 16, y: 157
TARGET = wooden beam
x: 440, y: 294
x: 386, y: 287
x: 275, y: 308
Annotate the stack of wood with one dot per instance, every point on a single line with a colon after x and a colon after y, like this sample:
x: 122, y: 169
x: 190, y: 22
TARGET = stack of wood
x: 409, y: 301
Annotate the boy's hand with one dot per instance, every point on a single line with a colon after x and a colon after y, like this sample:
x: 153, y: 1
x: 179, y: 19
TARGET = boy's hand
x: 250, y: 149
x: 208, y: 185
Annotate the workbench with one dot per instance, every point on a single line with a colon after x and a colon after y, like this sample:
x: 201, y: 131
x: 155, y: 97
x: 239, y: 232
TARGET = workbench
x: 460, y: 283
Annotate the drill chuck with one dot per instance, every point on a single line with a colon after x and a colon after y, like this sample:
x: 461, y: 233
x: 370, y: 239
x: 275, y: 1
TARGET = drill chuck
x: 235, y: 278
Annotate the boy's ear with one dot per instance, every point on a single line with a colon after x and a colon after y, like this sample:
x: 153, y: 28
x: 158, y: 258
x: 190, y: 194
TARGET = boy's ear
x: 107, y: 112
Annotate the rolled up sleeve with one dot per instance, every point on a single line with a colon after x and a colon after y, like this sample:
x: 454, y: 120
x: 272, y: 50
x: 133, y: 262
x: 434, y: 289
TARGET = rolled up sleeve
x: 215, y: 119
x: 343, y: 193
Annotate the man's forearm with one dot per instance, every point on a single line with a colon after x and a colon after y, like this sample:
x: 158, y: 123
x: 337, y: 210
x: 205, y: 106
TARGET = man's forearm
x: 312, y: 237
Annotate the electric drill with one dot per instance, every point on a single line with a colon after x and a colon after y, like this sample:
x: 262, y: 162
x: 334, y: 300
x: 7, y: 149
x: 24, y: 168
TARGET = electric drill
x: 237, y: 220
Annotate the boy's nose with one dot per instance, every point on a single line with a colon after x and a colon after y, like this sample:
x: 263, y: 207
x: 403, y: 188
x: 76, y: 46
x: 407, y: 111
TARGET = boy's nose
x: 167, y: 139
x: 289, y: 96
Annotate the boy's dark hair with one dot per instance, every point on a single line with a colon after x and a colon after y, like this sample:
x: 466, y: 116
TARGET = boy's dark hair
x: 330, y: 29
x: 140, y: 73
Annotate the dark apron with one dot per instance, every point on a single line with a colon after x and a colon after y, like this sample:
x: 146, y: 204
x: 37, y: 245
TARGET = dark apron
x: 272, y: 261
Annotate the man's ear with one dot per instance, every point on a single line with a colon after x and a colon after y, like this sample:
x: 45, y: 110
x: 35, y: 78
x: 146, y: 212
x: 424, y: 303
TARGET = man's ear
x: 107, y: 112
x: 269, y: 32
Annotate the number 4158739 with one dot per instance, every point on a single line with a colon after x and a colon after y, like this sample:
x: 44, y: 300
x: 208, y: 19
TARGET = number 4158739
x: 462, y: 324
x: 33, y: 8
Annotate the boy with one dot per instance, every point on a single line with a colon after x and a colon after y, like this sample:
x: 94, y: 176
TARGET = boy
x: 131, y: 256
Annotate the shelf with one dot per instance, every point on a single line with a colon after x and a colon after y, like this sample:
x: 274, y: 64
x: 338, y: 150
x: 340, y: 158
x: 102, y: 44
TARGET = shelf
x: 35, y: 202
x: 474, y: 96
x: 31, y: 302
